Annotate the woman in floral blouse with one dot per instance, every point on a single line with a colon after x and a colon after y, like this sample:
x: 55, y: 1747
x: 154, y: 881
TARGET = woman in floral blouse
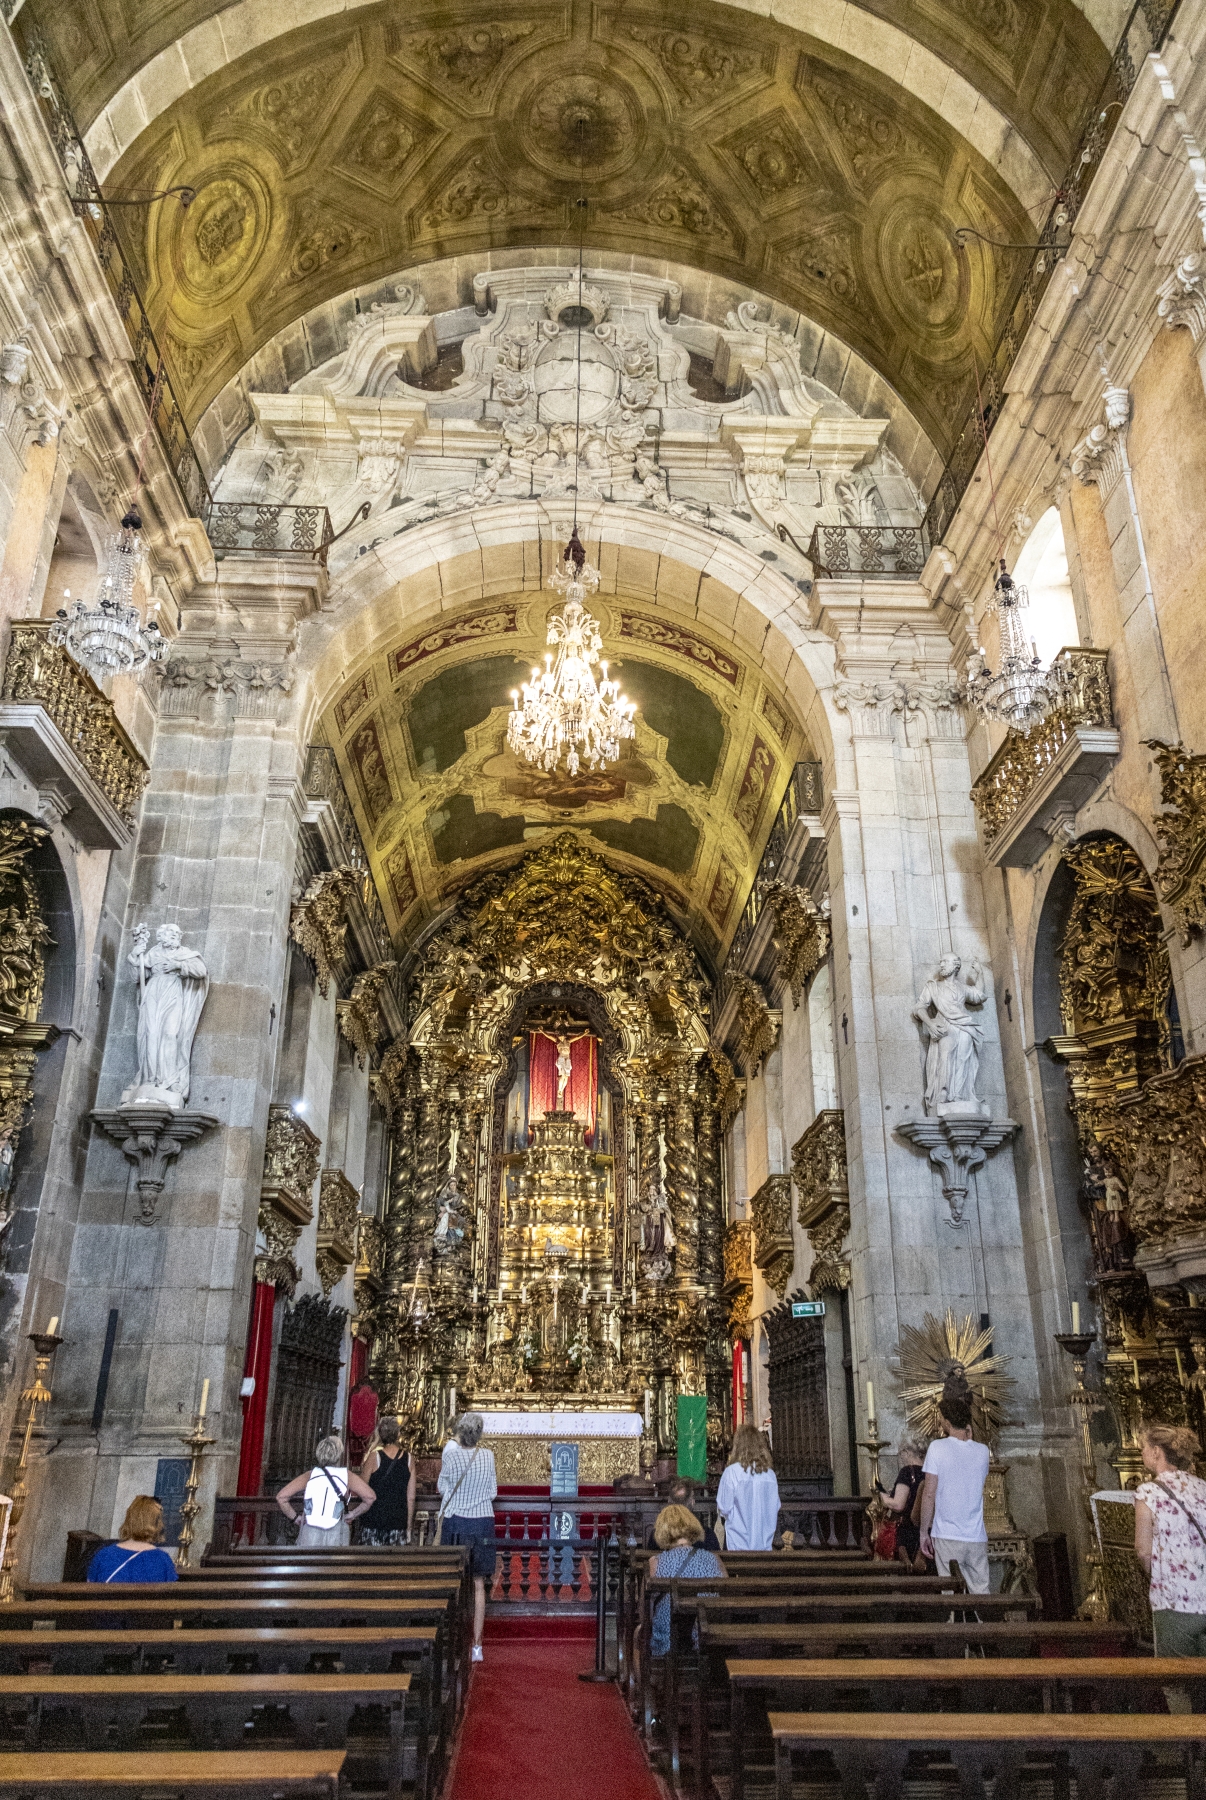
x: 1170, y: 1539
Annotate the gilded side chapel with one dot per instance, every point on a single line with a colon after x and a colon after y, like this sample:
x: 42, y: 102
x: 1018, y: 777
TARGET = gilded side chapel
x: 602, y: 757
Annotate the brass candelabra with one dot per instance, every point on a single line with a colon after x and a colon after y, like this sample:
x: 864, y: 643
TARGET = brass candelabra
x: 874, y: 1445
x: 197, y: 1443
x: 38, y: 1394
x: 1095, y: 1606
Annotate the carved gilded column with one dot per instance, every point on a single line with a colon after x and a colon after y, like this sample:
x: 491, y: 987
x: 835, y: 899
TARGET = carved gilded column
x: 681, y: 1169
x: 707, y: 1164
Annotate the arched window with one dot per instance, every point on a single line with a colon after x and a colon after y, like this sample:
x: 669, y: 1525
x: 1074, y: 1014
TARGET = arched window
x: 1042, y: 568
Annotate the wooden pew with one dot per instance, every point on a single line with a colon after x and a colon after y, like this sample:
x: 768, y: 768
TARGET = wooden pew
x: 1116, y: 1684
x: 1105, y: 1753
x: 412, y: 1650
x: 759, y: 1602
x: 229, y: 1775
x: 218, y: 1713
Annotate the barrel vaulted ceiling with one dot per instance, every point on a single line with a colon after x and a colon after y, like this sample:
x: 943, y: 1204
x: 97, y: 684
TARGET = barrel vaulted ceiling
x: 826, y: 166
x: 419, y: 732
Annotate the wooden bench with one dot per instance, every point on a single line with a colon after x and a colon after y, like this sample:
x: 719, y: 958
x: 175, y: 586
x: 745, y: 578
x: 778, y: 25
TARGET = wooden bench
x: 412, y: 1652
x: 1106, y: 1754
x: 229, y: 1775
x: 221, y: 1712
x: 1116, y: 1684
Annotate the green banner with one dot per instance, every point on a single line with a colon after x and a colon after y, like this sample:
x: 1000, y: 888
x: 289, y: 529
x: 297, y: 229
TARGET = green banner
x: 693, y: 1436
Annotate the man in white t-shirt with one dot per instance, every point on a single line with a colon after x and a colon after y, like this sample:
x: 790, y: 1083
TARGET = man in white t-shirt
x: 952, y: 1497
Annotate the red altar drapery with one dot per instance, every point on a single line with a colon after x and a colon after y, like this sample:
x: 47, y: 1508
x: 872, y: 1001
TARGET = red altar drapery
x: 580, y: 1095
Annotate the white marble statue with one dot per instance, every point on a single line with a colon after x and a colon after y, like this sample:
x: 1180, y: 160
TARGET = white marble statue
x: 953, y: 1034
x: 172, y: 985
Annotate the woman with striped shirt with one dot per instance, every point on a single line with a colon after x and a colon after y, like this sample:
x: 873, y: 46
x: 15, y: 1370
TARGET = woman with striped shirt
x: 468, y: 1483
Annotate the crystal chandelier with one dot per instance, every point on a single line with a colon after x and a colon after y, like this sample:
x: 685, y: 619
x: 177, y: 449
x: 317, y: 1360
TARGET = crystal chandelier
x: 110, y: 638
x: 566, y: 710
x: 1022, y: 692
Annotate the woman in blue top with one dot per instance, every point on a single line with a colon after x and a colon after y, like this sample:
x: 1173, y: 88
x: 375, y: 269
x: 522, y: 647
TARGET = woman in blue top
x: 678, y: 1535
x: 134, y: 1557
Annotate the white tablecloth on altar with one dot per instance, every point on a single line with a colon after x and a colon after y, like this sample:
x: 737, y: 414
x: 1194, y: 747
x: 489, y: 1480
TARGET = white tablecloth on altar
x: 559, y: 1425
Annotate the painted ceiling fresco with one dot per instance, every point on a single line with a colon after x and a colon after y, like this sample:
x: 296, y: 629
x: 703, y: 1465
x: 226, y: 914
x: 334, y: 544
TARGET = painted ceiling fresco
x: 420, y: 734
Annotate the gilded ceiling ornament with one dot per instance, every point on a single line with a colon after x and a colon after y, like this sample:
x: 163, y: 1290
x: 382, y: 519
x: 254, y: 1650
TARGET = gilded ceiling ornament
x: 318, y: 921
x: 1181, y: 831
x: 931, y: 1353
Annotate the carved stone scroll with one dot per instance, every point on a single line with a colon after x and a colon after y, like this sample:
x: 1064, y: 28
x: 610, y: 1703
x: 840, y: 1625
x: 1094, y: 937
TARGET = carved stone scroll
x: 818, y: 1166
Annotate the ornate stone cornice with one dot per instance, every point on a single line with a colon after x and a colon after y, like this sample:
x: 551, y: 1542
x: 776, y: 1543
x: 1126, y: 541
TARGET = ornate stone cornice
x: 818, y: 1166
x: 770, y: 1210
x: 873, y: 704
x: 255, y: 689
x: 318, y: 922
x: 1182, y: 297
x: 1100, y: 457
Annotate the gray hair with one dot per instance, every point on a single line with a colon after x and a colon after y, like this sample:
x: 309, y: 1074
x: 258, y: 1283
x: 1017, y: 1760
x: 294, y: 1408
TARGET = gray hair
x: 469, y: 1428
x: 330, y: 1450
x: 909, y: 1447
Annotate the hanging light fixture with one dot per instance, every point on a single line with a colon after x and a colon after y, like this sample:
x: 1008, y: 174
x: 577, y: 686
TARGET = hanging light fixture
x: 1022, y: 692
x: 110, y: 638
x: 566, y: 709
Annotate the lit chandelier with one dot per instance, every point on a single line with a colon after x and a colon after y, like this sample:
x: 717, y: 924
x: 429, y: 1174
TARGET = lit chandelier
x: 1022, y: 692
x: 110, y: 638
x: 566, y: 709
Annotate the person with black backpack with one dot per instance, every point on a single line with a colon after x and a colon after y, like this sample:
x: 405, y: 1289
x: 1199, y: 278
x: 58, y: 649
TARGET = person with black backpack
x: 327, y: 1488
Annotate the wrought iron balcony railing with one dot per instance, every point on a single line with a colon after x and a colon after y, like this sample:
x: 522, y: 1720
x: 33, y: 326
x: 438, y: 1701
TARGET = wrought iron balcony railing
x: 253, y: 528
x: 41, y: 676
x: 804, y: 795
x: 1053, y: 769
x: 876, y: 550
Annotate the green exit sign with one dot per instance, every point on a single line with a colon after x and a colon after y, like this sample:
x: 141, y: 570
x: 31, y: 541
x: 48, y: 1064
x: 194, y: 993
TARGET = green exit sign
x: 808, y: 1309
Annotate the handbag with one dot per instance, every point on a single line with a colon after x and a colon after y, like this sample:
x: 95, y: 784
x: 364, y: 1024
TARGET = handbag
x: 439, y: 1524
x: 884, y: 1545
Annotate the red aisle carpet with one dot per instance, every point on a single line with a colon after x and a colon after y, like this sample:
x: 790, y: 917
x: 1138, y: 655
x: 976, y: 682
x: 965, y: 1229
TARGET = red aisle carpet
x: 533, y: 1731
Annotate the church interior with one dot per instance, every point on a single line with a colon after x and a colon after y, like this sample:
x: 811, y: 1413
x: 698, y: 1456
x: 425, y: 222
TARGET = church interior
x: 602, y: 825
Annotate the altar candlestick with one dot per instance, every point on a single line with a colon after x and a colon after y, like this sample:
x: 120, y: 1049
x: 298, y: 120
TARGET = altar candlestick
x: 648, y: 1403
x: 204, y: 1398
x: 53, y: 1326
x: 1076, y: 1316
x: 475, y: 1293
x: 1135, y: 1366
x: 870, y: 1401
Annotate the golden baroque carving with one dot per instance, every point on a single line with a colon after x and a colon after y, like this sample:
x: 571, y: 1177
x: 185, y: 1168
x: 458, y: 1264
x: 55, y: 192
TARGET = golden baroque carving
x: 1022, y: 762
x: 318, y: 922
x: 770, y: 1209
x: 359, y: 1015
x: 338, y: 1211
x: 388, y: 1081
x: 23, y: 939
x: 757, y: 1025
x: 291, y: 1153
x: 370, y: 1265
x: 1181, y: 830
x: 801, y: 934
x: 37, y: 672
x: 818, y: 1166
x: 1113, y: 961
x: 739, y: 1276
x: 730, y: 1093
x: 275, y: 1263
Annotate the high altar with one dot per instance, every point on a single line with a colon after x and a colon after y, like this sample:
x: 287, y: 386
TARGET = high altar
x: 555, y: 1228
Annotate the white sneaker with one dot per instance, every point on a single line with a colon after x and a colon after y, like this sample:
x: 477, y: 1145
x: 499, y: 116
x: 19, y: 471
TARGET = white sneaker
x: 476, y: 1655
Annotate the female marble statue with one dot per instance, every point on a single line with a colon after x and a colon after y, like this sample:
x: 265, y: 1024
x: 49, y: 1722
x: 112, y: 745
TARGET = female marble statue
x: 953, y: 1033
x: 172, y: 985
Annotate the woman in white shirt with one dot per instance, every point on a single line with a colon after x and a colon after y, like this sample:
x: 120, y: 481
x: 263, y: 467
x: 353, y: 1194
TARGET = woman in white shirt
x: 747, y: 1498
x: 328, y: 1488
x: 468, y: 1485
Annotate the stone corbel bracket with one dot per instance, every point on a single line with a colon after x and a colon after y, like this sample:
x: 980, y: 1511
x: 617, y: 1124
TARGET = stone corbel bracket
x: 151, y: 1137
x: 958, y: 1140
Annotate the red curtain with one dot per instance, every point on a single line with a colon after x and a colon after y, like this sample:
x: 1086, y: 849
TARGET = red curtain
x: 738, y: 1384
x: 580, y: 1095
x: 258, y: 1363
x: 362, y: 1407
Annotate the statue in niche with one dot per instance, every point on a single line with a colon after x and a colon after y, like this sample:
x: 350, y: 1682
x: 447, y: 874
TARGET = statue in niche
x: 452, y: 1219
x: 172, y: 985
x: 657, y: 1240
x: 947, y: 1011
x: 1105, y: 1193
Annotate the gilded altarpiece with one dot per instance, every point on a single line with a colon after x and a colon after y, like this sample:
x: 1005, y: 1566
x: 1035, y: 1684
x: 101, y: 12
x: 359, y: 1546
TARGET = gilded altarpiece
x: 554, y: 1236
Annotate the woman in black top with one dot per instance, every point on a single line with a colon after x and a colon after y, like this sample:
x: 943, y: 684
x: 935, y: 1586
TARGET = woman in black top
x: 391, y: 1475
x: 900, y: 1504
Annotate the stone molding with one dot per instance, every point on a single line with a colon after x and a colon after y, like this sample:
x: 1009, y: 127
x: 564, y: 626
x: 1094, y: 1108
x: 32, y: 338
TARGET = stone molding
x: 872, y: 705
x: 1100, y: 456
x: 1182, y: 300
x: 959, y: 1140
x: 151, y: 1137
x: 256, y: 689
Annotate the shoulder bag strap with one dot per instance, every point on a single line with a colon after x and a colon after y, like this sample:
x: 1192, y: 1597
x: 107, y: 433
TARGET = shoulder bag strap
x: 1177, y: 1501
x: 459, y: 1479
x: 121, y: 1565
x: 340, y: 1494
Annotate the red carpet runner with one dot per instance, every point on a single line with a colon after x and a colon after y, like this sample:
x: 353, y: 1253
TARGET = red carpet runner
x: 533, y: 1731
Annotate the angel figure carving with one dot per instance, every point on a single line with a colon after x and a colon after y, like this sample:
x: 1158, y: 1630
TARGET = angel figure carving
x: 172, y: 985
